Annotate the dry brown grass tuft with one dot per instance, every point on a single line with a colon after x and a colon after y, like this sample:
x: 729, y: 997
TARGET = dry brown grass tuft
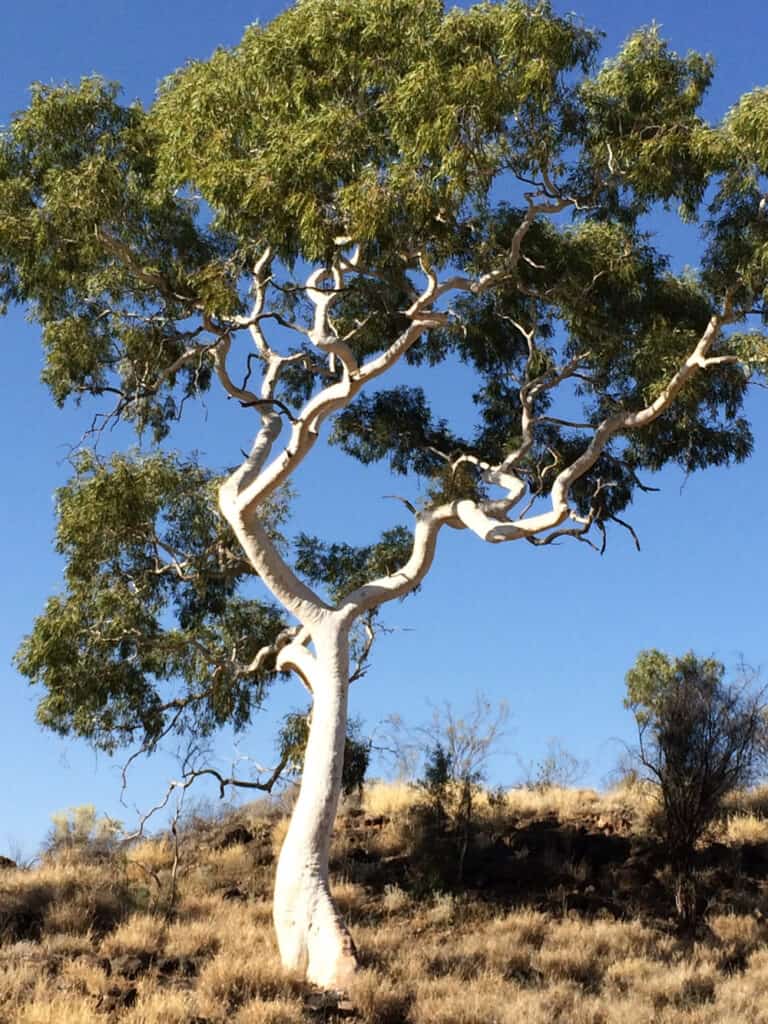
x: 230, y: 864
x: 141, y: 933
x: 566, y: 804
x: 277, y: 1011
x: 749, y: 801
x: 157, y: 1005
x: 187, y: 938
x: 394, y: 899
x: 235, y: 977
x: 379, y: 999
x: 62, y: 896
x: 389, y: 798
x: 738, y: 829
x: 47, y: 1007
x: 150, y: 854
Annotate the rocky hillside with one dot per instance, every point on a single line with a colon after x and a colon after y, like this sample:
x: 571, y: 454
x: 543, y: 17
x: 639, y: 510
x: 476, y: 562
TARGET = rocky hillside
x: 554, y: 906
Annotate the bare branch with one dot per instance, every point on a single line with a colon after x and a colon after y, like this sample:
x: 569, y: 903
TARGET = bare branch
x: 274, y: 402
x: 629, y: 528
x: 360, y: 667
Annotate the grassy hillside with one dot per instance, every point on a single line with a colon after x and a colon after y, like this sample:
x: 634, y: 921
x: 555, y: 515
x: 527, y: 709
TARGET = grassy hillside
x: 563, y: 914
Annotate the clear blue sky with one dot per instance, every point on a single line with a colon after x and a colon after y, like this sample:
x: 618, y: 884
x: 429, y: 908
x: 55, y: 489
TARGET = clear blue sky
x: 551, y: 630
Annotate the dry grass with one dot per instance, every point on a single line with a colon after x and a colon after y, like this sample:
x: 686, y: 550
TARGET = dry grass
x: 566, y: 804
x: 151, y: 855
x: 45, y: 1007
x: 142, y: 933
x: 750, y: 801
x: 428, y: 957
x: 389, y: 798
x: 635, y: 801
x: 738, y: 829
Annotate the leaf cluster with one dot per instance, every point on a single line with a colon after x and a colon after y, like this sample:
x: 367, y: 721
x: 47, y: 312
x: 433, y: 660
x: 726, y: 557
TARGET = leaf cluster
x: 379, y: 121
x: 292, y: 744
x: 343, y: 567
x: 153, y: 628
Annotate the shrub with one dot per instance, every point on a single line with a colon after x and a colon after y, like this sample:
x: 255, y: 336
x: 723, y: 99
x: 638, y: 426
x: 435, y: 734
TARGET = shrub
x: 79, y: 830
x: 699, y: 739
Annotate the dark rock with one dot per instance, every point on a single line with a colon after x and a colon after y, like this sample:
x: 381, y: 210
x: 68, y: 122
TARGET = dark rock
x: 642, y: 851
x: 539, y: 839
x: 130, y: 995
x: 116, y: 999
x: 329, y: 1006
x: 19, y: 924
x: 629, y: 879
x: 133, y: 965
x: 523, y: 974
x: 716, y: 855
x: 359, y: 855
x: 6, y: 864
x: 183, y: 966
x: 376, y: 822
x: 754, y: 858
x: 590, y: 904
x: 235, y: 893
x: 239, y: 834
x: 733, y: 963
x: 263, y: 855
x: 600, y: 850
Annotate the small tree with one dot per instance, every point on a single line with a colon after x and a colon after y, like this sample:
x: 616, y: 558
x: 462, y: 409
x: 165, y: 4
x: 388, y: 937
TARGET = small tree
x: 558, y: 767
x: 454, y: 749
x: 699, y: 739
x: 80, y: 830
x: 354, y: 188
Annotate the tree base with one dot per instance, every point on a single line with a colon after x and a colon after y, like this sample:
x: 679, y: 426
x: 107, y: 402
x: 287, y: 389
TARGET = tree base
x: 334, y: 972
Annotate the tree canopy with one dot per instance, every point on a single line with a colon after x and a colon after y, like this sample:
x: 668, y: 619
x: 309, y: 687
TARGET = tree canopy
x: 357, y: 184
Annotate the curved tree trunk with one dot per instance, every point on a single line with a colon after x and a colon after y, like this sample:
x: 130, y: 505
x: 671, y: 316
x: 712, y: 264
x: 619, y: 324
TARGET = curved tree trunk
x: 310, y: 933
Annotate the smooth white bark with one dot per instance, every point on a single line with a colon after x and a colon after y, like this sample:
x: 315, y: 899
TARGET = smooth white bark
x: 310, y: 933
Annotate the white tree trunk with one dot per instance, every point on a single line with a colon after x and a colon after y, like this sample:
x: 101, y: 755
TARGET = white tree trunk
x: 310, y: 933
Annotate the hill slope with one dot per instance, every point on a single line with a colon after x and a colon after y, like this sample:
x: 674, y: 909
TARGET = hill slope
x: 562, y: 914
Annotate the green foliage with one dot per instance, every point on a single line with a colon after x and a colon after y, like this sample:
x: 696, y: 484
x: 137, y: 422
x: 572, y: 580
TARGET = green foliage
x: 343, y: 567
x: 738, y: 224
x: 292, y: 744
x: 641, y: 115
x: 152, y: 630
x: 700, y: 738
x: 364, y: 118
x: 393, y: 124
x: 77, y: 187
x: 436, y: 778
x: 421, y: 134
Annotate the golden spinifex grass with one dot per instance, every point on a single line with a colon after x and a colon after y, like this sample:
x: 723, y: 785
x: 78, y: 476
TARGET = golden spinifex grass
x: 95, y: 942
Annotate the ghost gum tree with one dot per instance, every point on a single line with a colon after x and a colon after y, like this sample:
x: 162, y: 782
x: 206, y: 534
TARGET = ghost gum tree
x: 356, y: 185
